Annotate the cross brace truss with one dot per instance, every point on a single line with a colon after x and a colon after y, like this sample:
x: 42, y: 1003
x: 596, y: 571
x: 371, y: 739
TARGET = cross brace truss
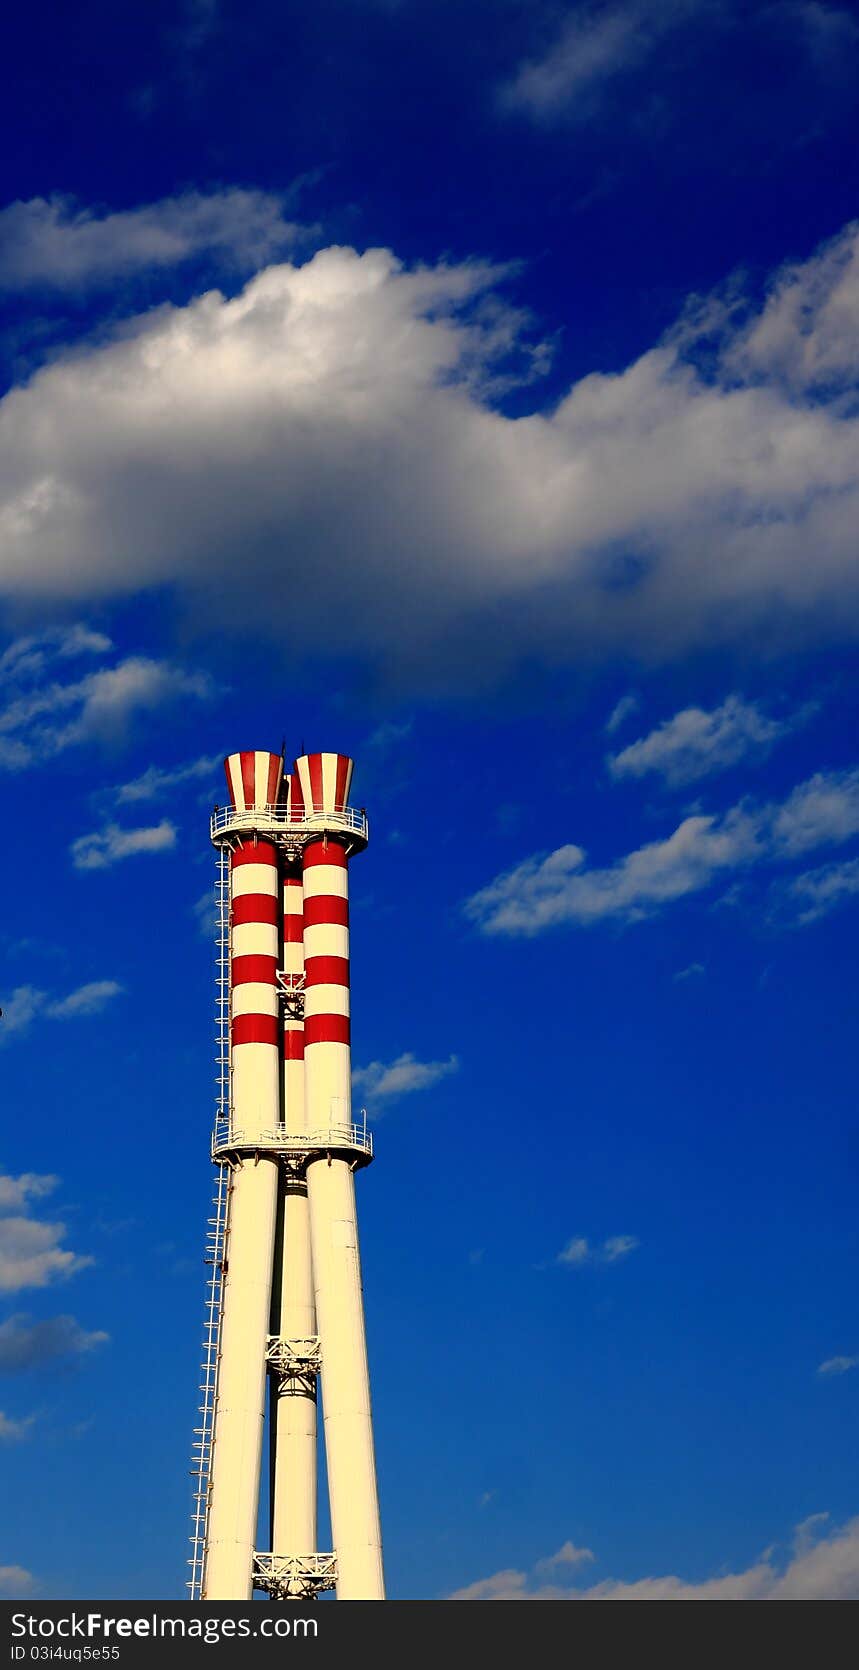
x: 294, y: 1576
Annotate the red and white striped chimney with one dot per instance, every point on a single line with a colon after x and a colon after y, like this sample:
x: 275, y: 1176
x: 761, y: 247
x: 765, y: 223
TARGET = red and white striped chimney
x: 292, y: 1151
x: 292, y: 891
x: 253, y: 780
x: 325, y: 780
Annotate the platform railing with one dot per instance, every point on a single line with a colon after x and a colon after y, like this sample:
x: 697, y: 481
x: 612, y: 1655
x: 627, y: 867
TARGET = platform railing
x: 280, y: 820
x: 352, y: 1135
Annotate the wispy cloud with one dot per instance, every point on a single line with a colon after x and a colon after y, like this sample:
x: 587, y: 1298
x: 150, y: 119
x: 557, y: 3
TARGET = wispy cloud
x: 622, y: 710
x: 579, y: 1252
x: 693, y: 971
x: 55, y: 243
x: 597, y: 45
x: 156, y: 782
x: 26, y: 1344
x: 89, y: 999
x: 13, y: 1431
x: 28, y: 657
x: 567, y: 1555
x: 815, y: 893
x: 388, y: 735
x: 205, y: 913
x: 16, y: 1581
x: 17, y: 1192
x: 697, y: 743
x: 815, y: 1567
x: 387, y: 1081
x: 838, y: 1365
x: 26, y: 1003
x: 822, y: 811
x: 547, y: 891
x: 105, y: 847
x: 805, y: 338
x: 199, y: 20
x: 44, y: 719
x: 603, y: 44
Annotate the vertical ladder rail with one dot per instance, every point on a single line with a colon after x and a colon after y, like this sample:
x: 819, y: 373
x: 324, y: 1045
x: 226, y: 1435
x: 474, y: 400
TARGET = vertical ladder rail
x: 201, y: 1450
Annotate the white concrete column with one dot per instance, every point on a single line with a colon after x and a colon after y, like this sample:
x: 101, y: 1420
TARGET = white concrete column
x: 346, y: 1408
x: 334, y: 1229
x: 293, y: 1396
x: 240, y: 1406
x: 293, y: 1407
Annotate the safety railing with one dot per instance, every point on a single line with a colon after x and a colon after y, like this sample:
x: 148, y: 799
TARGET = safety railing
x: 352, y: 1135
x: 280, y: 820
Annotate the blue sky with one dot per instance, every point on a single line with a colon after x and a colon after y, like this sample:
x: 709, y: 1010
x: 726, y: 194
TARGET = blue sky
x: 471, y: 388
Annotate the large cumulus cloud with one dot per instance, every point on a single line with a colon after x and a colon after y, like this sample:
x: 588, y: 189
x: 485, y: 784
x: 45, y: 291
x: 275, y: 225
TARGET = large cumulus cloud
x: 323, y: 457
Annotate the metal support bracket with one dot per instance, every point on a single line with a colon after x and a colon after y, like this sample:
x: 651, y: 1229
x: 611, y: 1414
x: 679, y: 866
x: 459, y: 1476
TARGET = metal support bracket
x: 294, y: 1576
x: 294, y: 1364
x: 292, y: 993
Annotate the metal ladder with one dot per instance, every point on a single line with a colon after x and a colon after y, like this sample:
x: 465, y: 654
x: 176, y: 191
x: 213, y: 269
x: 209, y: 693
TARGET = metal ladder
x: 201, y: 1449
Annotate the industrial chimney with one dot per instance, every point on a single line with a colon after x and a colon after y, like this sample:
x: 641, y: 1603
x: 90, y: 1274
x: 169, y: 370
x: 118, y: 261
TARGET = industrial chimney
x: 284, y: 1308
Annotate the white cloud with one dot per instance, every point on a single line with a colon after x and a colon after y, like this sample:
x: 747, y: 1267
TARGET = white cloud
x: 823, y: 810
x: 384, y: 1082
x: 818, y: 1567
x: 16, y: 1581
x: 816, y: 892
x: 25, y: 1344
x: 546, y: 891
x: 293, y: 442
x: 16, y: 1192
x: 567, y: 1555
x: 838, y: 1365
x: 622, y: 711
x: 696, y: 743
x: 156, y: 782
x: 54, y: 243
x: 36, y: 724
x: 31, y: 1254
x: 594, y: 47
x: 29, y: 656
x: 28, y: 1002
x: 602, y: 43
x: 388, y: 735
x: 12, y: 1431
x: 20, y: 1009
x: 86, y: 1000
x: 617, y: 1246
x: 205, y: 912
x: 104, y: 847
x: 578, y: 1252
x: 805, y: 337
x: 31, y: 1251
x: 692, y: 972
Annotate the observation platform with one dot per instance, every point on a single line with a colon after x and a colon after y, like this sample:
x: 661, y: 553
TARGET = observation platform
x: 352, y: 1142
x: 285, y: 828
